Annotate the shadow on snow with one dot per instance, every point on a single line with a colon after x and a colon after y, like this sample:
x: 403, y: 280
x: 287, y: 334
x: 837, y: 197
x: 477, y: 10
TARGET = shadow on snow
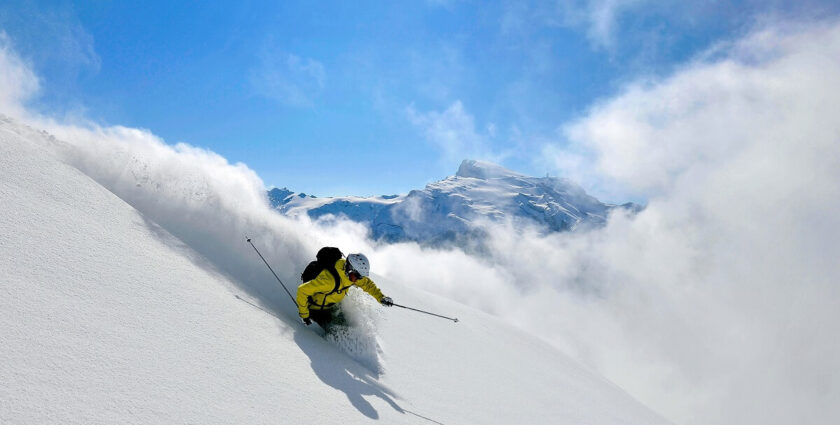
x: 344, y: 374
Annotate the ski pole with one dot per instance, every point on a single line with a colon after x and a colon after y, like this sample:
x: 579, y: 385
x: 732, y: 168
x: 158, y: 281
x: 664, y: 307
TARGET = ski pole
x: 421, y: 311
x: 272, y: 270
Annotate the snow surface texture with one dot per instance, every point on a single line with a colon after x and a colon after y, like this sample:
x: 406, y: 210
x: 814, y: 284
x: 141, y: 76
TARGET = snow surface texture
x: 112, y: 316
x: 454, y: 207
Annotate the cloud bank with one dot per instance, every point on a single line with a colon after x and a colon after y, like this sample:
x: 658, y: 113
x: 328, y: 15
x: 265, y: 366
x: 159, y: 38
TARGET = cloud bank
x: 719, y: 303
x: 726, y: 283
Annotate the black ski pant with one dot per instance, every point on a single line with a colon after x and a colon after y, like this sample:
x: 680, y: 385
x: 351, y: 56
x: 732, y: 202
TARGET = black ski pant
x: 328, y: 317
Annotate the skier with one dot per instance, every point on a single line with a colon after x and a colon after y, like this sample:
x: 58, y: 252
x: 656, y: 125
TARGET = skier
x: 318, y: 299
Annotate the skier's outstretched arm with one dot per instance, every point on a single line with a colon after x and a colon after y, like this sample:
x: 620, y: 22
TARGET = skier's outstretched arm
x: 368, y: 286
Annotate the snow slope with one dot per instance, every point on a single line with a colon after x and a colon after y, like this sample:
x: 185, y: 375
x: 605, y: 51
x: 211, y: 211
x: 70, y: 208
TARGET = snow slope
x: 445, y: 210
x: 108, y: 317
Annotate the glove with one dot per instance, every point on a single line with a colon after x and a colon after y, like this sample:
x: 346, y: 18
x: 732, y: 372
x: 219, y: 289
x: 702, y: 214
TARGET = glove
x: 307, y: 321
x: 387, y: 301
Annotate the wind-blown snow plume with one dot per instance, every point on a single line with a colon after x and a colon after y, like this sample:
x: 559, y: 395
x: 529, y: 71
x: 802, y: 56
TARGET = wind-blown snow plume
x: 199, y: 197
x: 212, y: 206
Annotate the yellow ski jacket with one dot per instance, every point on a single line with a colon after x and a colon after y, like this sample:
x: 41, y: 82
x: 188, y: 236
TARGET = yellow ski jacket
x: 316, y: 295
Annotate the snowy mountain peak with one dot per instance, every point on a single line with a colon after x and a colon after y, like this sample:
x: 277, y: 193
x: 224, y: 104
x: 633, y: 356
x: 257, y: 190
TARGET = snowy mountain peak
x: 484, y: 170
x: 451, y: 209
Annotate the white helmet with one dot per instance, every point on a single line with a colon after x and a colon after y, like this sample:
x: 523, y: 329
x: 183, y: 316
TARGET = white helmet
x: 359, y: 263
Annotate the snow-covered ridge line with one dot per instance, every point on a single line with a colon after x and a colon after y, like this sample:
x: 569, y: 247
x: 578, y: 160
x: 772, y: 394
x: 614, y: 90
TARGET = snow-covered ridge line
x: 448, y: 209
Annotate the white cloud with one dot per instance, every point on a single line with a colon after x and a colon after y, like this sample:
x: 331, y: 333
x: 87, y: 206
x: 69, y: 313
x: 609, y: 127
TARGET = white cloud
x: 453, y: 131
x: 650, y: 29
x: 73, y: 45
x: 288, y: 78
x: 768, y: 85
x: 52, y: 37
x: 598, y: 19
x: 17, y: 81
x: 446, y: 4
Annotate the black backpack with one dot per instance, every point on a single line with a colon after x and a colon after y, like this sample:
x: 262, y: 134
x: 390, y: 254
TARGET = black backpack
x: 324, y: 260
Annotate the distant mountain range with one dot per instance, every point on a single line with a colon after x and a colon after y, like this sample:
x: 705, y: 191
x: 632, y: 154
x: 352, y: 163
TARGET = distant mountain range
x: 450, y: 209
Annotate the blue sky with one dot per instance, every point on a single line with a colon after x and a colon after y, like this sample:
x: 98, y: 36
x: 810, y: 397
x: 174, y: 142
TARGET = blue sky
x: 362, y: 98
